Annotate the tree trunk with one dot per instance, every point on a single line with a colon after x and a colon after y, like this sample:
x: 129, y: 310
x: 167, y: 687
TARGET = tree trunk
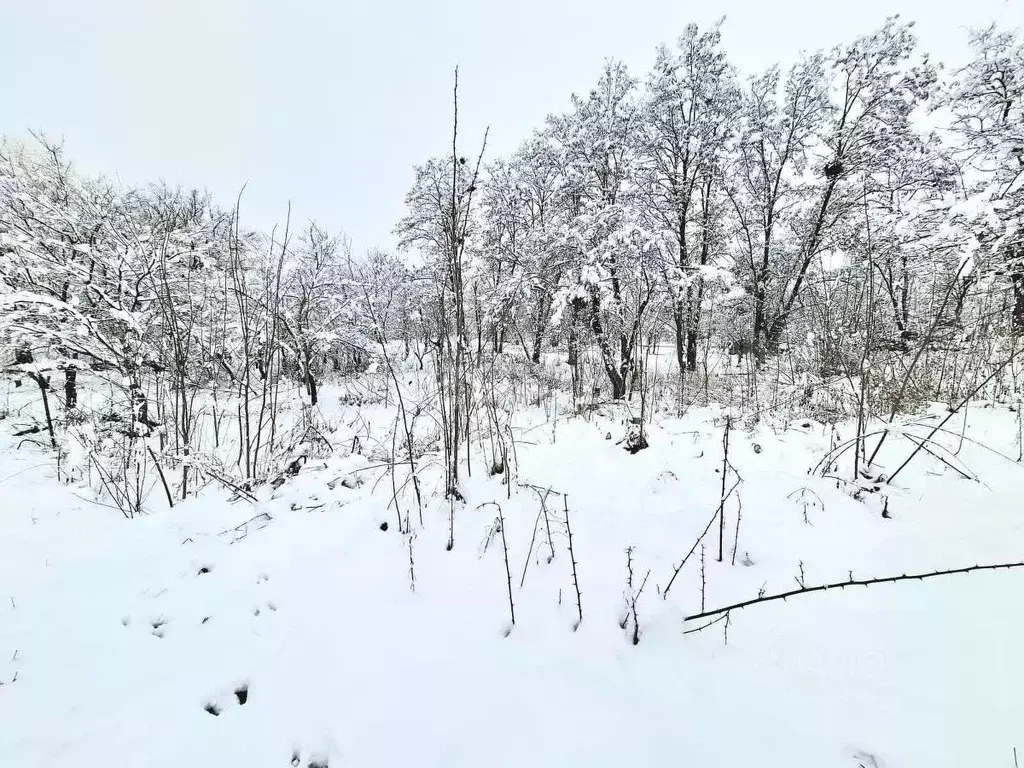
x: 44, y: 385
x: 758, y: 339
x: 1017, y: 280
x: 479, y: 324
x: 682, y: 346
x: 305, y: 363
x: 573, y: 342
x: 773, y: 335
x: 618, y: 385
x: 311, y: 386
x: 70, y: 388
x: 538, y: 340
x: 616, y: 370
x: 691, y: 350
x: 625, y: 365
x: 693, y: 326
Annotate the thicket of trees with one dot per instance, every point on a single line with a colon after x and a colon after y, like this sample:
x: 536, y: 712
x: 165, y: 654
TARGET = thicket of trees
x: 860, y: 212
x: 187, y: 327
x: 775, y: 200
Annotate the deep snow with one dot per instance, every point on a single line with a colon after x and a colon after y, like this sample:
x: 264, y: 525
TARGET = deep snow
x: 117, y: 637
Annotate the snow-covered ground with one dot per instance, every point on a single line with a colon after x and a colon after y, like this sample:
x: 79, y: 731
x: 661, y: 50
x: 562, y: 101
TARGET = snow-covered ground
x: 286, y: 632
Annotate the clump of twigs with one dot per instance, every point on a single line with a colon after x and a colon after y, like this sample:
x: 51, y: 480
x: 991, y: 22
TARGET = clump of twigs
x: 14, y: 659
x: 627, y: 596
x: 719, y: 514
x: 542, y: 512
x: 633, y: 602
x: 808, y: 499
x: 630, y: 620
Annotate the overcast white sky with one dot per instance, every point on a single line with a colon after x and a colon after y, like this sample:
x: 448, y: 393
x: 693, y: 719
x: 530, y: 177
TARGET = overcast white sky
x: 329, y: 103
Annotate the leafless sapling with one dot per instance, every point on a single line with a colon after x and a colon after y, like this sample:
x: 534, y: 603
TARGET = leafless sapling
x: 412, y: 563
x: 721, y: 506
x: 572, y: 559
x: 508, y: 569
x: 633, y: 602
x: 703, y: 578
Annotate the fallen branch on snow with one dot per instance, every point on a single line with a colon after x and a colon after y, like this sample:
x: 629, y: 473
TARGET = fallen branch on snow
x: 849, y: 583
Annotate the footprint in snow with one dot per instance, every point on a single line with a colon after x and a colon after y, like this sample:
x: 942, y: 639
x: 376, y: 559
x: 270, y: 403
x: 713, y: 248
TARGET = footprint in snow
x: 315, y: 761
x: 238, y: 696
x: 158, y: 625
x: 270, y: 605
